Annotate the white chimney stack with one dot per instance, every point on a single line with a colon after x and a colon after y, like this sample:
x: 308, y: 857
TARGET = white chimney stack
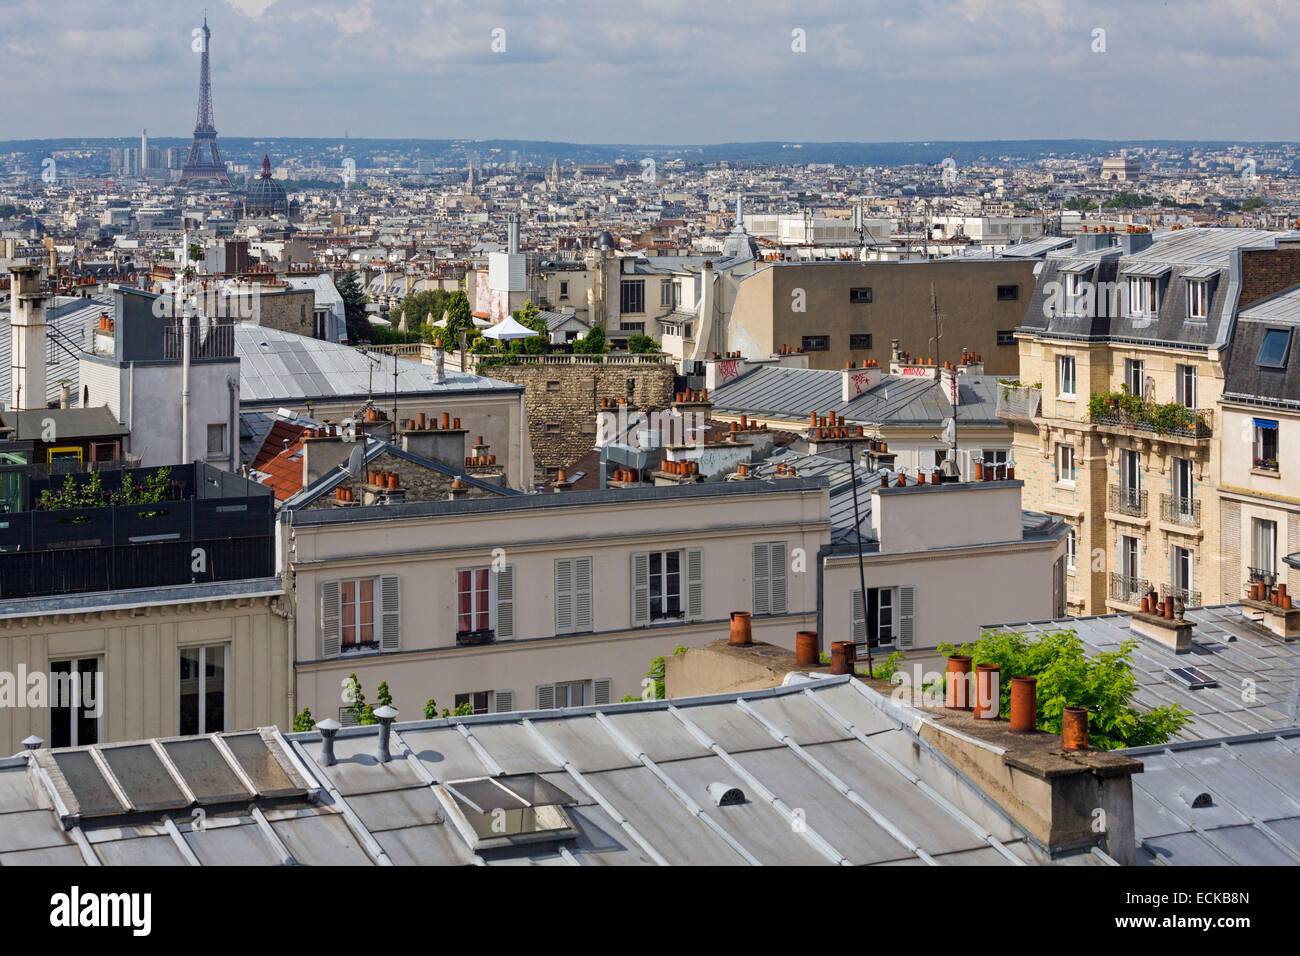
x: 27, y: 339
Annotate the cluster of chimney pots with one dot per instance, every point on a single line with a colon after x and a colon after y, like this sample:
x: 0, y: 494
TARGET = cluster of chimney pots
x: 324, y: 431
x: 683, y: 468
x: 1168, y: 608
x: 1277, y: 596
x: 783, y: 470
x: 692, y: 396
x: 620, y: 474
x: 422, y: 424
x: 982, y: 698
x: 745, y: 425
x: 866, y: 363
x: 106, y: 322
x: 993, y: 471
x: 783, y: 350
x: 378, y: 478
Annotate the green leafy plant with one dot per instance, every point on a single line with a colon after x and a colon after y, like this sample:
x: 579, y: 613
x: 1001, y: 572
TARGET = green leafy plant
x: 1133, y: 410
x: 886, y: 669
x: 430, y: 709
x: 362, y: 712
x: 304, y: 721
x: 383, y: 696
x: 656, y: 674
x: 593, y: 343
x: 1104, y: 684
x: 641, y: 343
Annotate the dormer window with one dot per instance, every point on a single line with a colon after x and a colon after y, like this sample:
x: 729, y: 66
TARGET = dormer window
x: 1198, y: 299
x: 1273, y: 350
x: 1143, y: 296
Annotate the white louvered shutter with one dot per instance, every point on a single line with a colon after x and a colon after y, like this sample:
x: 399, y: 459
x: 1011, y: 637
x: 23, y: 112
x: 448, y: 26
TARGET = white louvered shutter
x: 583, y: 600
x: 601, y: 688
x: 777, y: 566
x: 762, y: 578
x: 859, y: 619
x: 545, y: 696
x: 503, y: 701
x: 505, y: 579
x: 329, y: 619
x: 564, y: 596
x: 390, y: 629
x: 906, y: 616
x: 694, y: 584
x: 640, y: 589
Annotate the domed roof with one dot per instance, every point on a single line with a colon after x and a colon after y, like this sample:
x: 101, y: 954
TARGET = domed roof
x: 605, y: 241
x: 264, y: 196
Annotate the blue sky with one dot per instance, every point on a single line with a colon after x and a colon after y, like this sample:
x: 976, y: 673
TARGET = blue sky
x: 659, y: 71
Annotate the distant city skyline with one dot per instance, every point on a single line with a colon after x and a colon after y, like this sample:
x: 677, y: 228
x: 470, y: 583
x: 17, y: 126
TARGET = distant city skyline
x: 665, y: 72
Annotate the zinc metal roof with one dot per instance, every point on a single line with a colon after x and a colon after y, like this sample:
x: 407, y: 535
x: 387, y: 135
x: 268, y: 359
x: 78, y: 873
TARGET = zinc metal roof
x: 793, y: 393
x: 280, y: 368
x: 1220, y: 802
x: 830, y: 771
x: 1258, y: 675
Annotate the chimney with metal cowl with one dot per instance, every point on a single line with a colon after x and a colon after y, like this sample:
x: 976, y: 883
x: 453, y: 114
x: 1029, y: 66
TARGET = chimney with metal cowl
x: 27, y: 339
x: 385, y: 715
x: 327, y: 729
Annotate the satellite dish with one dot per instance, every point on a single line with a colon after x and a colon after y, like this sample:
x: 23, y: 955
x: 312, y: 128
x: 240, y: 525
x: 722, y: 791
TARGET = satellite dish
x: 357, y: 461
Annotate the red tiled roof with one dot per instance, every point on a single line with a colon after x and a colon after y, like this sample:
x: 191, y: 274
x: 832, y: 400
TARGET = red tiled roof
x: 280, y: 459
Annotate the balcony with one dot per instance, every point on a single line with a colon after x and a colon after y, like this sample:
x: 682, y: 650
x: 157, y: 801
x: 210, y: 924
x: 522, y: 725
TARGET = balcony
x: 475, y: 638
x: 1126, y: 589
x: 1185, y: 596
x: 210, y: 340
x: 1128, y: 501
x: 1265, y: 575
x: 1175, y: 509
x: 1124, y: 412
x: 1019, y: 403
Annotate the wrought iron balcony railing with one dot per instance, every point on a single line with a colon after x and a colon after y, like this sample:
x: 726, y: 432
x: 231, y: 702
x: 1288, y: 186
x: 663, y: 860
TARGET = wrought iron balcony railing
x: 1176, y: 509
x: 1128, y: 501
x: 1126, y: 589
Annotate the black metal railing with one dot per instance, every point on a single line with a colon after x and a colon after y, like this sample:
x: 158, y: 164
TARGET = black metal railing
x: 1128, y: 501
x: 215, y: 340
x: 1126, y: 589
x: 1188, y: 596
x: 1176, y: 509
x: 1267, y: 575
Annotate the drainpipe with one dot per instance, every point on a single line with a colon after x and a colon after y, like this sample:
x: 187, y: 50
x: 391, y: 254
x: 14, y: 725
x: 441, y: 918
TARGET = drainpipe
x: 185, y: 384
x: 232, y: 429
x: 523, y: 434
x: 822, y: 553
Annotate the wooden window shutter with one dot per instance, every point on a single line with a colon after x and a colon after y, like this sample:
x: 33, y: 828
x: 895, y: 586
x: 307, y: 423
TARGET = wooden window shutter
x: 601, y: 689
x: 583, y: 600
x: 503, y: 701
x: 564, y: 595
x: 777, y: 568
x: 505, y: 578
x: 330, y: 610
x: 545, y: 696
x: 906, y: 615
x: 390, y: 589
x: 694, y: 584
x: 858, y: 618
x: 762, y: 589
x: 640, y: 589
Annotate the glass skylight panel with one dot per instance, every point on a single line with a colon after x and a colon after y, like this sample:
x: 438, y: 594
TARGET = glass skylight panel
x: 1273, y: 350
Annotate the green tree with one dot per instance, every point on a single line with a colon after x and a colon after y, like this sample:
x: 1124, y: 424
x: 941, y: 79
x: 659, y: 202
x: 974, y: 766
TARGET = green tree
x: 418, y: 306
x: 430, y: 709
x: 304, y: 721
x: 593, y: 343
x: 354, y: 306
x: 362, y: 712
x: 530, y: 317
x: 641, y: 343
x: 383, y: 696
x: 460, y: 318
x: 1067, y: 677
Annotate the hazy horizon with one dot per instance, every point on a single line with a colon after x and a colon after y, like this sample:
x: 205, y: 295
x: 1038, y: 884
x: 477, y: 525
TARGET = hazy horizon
x: 667, y: 72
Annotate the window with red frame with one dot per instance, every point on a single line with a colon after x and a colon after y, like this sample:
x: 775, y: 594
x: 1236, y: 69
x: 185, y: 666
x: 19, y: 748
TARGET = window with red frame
x: 473, y: 607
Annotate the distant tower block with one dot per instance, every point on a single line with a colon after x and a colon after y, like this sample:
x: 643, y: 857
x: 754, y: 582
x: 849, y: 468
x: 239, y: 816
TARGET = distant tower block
x: 204, y: 163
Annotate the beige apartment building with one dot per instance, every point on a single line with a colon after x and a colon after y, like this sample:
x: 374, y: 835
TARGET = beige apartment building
x: 165, y: 661
x: 1115, y: 417
x: 1259, y: 495
x: 839, y: 312
x: 547, y: 600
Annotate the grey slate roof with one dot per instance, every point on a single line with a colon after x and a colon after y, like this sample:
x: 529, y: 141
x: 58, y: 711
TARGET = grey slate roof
x: 1248, y: 813
x: 1258, y: 675
x: 281, y: 368
x: 1245, y: 380
x: 1173, y: 257
x: 774, y: 391
x: 633, y: 780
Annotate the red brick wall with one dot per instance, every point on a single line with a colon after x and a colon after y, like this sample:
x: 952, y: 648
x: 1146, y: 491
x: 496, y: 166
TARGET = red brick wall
x: 1267, y: 272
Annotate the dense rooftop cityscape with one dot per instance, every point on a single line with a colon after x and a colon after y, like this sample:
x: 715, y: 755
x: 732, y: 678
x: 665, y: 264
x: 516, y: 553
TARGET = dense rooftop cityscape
x: 480, y: 501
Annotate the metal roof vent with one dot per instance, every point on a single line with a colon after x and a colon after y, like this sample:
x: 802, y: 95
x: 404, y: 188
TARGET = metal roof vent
x: 1196, y: 799
x: 725, y: 796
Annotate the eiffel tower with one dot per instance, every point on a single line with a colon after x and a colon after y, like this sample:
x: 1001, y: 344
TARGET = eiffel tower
x: 204, y: 162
